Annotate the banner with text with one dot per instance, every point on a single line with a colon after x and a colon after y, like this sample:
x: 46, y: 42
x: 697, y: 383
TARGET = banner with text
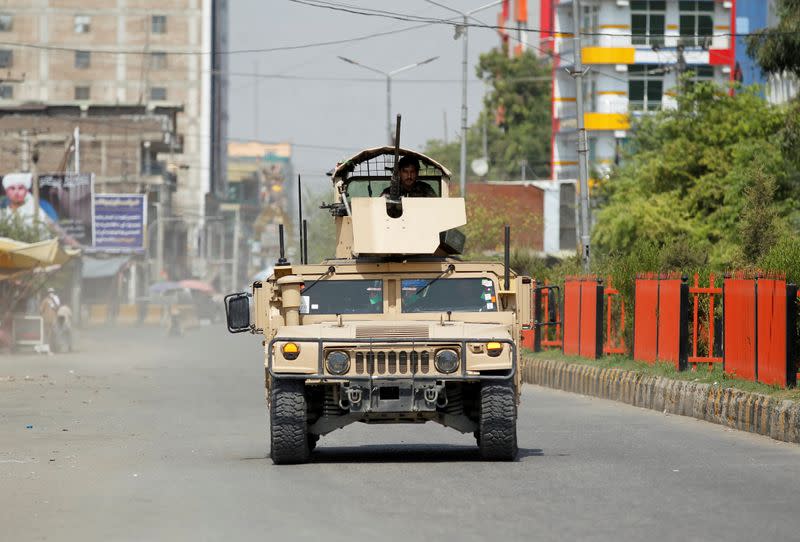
x: 66, y: 199
x: 119, y: 222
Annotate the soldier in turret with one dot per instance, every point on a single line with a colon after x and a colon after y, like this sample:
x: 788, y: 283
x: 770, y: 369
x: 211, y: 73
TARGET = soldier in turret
x: 408, y: 168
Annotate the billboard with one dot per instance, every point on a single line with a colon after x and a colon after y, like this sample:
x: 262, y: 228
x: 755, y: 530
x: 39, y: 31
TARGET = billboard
x: 119, y: 222
x: 66, y: 199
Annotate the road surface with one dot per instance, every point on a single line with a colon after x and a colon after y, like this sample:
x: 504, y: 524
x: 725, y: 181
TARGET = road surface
x: 139, y: 437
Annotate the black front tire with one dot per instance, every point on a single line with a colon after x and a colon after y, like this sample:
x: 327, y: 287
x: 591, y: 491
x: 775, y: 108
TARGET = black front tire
x: 498, y: 422
x: 288, y: 422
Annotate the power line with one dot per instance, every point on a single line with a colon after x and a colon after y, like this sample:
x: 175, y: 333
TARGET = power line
x: 58, y: 48
x: 359, y: 10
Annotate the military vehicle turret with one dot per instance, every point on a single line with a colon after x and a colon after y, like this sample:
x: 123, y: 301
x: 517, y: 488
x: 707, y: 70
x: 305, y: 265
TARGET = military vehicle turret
x: 395, y: 328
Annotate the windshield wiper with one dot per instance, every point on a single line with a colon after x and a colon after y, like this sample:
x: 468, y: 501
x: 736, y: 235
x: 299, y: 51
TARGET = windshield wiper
x: 450, y: 269
x: 331, y: 270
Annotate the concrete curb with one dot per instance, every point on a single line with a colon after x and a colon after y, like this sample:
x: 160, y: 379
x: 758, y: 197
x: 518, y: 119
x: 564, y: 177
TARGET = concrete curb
x: 753, y: 412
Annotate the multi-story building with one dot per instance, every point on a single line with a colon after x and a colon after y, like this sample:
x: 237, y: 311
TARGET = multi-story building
x: 752, y: 15
x: 262, y: 192
x: 635, y: 52
x: 145, y: 54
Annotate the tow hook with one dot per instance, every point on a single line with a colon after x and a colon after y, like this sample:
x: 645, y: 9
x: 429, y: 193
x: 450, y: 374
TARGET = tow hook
x: 436, y: 394
x: 354, y: 395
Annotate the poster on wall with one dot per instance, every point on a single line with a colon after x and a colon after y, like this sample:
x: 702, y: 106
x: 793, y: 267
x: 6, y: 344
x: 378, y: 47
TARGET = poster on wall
x: 119, y: 222
x: 66, y: 199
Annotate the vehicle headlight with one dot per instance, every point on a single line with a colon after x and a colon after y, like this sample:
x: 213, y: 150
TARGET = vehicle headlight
x: 494, y: 349
x: 338, y: 362
x: 290, y: 351
x: 446, y: 360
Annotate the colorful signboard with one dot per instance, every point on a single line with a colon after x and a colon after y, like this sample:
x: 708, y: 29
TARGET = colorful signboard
x: 120, y: 222
x: 68, y: 199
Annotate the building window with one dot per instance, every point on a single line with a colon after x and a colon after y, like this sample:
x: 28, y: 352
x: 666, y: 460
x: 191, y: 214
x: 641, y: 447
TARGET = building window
x: 647, y: 22
x: 6, y: 22
x: 696, y: 22
x: 82, y: 24
x: 82, y: 93
x: 6, y: 92
x: 590, y: 17
x: 699, y: 74
x: 6, y: 58
x: 158, y: 24
x: 83, y: 59
x: 645, y: 87
x: 158, y: 93
x: 158, y: 61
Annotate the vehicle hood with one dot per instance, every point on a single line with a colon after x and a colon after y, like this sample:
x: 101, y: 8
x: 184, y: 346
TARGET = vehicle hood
x: 397, y: 330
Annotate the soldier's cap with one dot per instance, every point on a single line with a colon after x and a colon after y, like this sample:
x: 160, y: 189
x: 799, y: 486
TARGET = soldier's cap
x: 408, y: 161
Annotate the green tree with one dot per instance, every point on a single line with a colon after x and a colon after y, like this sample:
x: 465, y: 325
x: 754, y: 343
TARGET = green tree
x: 759, y: 227
x: 520, y: 87
x: 13, y: 226
x: 777, y: 49
x: 686, y: 171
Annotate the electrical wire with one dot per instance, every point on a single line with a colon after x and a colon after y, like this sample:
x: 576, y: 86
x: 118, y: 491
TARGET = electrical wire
x: 359, y: 10
x: 136, y: 52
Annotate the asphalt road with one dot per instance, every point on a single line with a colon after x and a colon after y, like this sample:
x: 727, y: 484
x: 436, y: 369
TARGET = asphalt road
x: 142, y: 438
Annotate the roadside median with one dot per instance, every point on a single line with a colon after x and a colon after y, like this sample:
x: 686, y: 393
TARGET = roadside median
x: 771, y: 414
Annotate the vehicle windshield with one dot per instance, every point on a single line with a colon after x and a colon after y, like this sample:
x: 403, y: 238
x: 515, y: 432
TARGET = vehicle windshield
x: 456, y: 295
x: 343, y: 297
x: 360, y: 188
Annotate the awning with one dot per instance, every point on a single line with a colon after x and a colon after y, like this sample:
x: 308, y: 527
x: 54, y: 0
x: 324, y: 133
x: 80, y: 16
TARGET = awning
x: 95, y: 268
x: 16, y: 255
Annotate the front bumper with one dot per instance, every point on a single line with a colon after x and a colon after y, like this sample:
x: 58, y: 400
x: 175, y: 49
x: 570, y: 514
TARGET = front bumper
x: 462, y: 374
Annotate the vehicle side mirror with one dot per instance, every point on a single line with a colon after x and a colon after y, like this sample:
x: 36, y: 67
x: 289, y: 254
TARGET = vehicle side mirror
x: 237, y: 312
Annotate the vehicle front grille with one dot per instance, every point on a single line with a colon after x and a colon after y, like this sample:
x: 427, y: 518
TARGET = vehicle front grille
x: 379, y: 332
x: 394, y: 362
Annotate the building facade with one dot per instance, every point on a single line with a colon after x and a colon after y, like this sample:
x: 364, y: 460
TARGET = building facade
x: 262, y: 193
x: 148, y: 55
x: 635, y: 52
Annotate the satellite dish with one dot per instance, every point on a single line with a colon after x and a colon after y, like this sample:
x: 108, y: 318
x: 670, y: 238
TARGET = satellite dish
x: 480, y: 167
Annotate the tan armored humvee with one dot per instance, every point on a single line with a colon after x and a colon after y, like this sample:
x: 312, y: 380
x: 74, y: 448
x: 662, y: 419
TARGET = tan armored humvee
x: 395, y: 328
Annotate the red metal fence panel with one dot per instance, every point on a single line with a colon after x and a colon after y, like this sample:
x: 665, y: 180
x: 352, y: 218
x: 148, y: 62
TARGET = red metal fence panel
x: 739, y: 299
x: 572, y: 317
x: 589, y: 317
x: 645, y: 320
x: 771, y: 350
x: 660, y: 324
x: 583, y: 317
x: 670, y: 321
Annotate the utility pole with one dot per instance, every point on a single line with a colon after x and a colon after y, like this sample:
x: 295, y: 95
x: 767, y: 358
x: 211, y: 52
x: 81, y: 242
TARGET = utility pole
x: 680, y: 69
x: 160, y: 240
x: 485, y: 138
x: 76, y: 135
x: 255, y: 101
x: 444, y: 121
x: 583, y: 146
x: 235, y: 267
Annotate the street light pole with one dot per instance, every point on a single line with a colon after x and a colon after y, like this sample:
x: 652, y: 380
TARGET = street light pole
x: 388, y: 76
x: 462, y: 165
x: 463, y: 30
x: 389, y: 109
